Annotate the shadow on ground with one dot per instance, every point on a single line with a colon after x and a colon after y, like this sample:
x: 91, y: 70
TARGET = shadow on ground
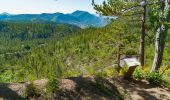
x: 7, y: 93
x: 90, y: 89
x: 142, y: 90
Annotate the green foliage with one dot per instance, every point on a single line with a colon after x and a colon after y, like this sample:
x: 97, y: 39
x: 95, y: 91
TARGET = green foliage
x: 70, y: 73
x: 138, y: 74
x: 115, y: 7
x: 166, y: 81
x: 154, y: 78
x: 67, y: 56
x: 53, y: 84
x: 7, y: 76
x: 27, y: 31
x: 101, y: 74
x: 106, y: 72
x: 88, y: 51
x: 156, y: 13
x: 23, y: 58
x: 91, y: 70
x: 123, y: 70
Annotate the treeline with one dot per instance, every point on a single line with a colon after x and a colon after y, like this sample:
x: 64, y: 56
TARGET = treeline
x: 15, y: 36
x: 26, y: 31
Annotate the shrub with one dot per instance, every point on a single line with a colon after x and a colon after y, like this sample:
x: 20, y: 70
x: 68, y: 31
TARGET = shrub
x: 154, y: 78
x: 70, y: 73
x: 131, y: 52
x: 101, y: 74
x: 7, y: 76
x: 90, y: 70
x: 138, y: 74
x: 123, y: 71
x: 53, y: 83
x: 166, y: 81
x: 107, y: 72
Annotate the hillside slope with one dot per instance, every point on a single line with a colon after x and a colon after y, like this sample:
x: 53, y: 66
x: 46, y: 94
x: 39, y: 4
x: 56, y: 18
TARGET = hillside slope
x: 87, y: 52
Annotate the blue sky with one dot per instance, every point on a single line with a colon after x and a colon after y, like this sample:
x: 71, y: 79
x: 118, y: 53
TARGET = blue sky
x: 45, y: 6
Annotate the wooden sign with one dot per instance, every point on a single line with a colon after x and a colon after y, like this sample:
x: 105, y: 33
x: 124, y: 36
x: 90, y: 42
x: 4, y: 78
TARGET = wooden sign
x: 130, y: 62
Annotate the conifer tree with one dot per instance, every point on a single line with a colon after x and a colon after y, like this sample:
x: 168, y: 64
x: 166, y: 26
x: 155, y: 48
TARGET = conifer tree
x: 124, y: 8
x: 161, y: 11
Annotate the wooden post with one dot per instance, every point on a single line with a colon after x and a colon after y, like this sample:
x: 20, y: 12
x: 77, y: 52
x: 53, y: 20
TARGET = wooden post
x: 129, y: 72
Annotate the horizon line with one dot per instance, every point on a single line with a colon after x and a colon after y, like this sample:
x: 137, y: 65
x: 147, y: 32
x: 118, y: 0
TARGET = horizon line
x: 48, y: 12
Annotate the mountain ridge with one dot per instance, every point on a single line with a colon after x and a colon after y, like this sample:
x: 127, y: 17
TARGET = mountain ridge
x: 77, y: 18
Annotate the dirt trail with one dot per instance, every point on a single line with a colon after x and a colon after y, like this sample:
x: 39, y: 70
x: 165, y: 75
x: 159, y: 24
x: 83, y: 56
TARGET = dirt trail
x: 142, y: 90
x: 79, y: 88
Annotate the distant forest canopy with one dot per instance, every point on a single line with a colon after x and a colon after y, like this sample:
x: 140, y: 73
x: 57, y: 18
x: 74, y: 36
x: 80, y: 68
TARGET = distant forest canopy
x: 17, y: 36
x: 28, y: 30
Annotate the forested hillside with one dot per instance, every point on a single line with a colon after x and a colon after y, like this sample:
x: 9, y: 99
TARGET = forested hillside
x: 18, y: 39
x: 33, y: 50
x: 127, y: 59
x: 66, y: 51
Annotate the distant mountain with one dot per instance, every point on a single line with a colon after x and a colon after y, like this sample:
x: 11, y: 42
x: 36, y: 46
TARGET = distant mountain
x: 78, y: 18
x: 89, y: 19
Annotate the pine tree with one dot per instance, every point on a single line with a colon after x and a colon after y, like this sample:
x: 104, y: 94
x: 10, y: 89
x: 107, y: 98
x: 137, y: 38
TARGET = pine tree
x: 162, y: 19
x: 124, y: 8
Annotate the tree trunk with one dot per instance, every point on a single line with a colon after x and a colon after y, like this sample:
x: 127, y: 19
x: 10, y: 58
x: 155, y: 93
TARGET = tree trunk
x: 119, y: 54
x: 159, y: 47
x: 142, y: 37
x: 118, y: 60
x: 161, y: 37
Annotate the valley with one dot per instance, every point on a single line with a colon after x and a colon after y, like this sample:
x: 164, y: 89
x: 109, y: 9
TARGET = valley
x: 114, y: 50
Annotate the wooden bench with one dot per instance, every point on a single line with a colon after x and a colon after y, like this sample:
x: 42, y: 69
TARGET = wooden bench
x: 131, y: 63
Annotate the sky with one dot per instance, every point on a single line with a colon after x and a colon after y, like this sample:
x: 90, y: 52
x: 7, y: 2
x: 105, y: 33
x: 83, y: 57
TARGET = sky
x: 45, y: 6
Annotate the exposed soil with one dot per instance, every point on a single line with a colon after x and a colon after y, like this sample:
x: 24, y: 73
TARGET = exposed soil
x: 79, y: 88
x: 142, y: 90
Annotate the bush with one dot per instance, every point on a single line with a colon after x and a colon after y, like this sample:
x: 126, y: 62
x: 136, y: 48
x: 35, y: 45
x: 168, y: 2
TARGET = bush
x: 123, y: 71
x: 166, y: 81
x: 138, y: 74
x: 70, y: 73
x: 154, y: 78
x: 107, y: 72
x: 52, y: 85
x: 101, y: 74
x: 7, y: 76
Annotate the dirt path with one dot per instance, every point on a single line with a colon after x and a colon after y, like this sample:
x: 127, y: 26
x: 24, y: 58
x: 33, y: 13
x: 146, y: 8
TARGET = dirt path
x: 79, y: 88
x: 142, y: 90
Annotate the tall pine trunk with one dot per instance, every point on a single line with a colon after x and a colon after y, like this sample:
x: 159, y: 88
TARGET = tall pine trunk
x: 161, y: 34
x: 142, y: 37
x: 159, y: 47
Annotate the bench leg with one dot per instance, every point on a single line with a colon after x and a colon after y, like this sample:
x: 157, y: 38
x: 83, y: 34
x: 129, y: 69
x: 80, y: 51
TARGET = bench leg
x: 129, y: 73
